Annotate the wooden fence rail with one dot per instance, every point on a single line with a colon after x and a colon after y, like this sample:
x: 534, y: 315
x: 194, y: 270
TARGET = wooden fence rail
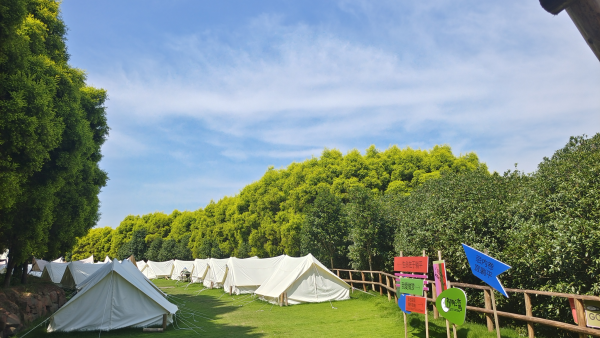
x: 387, y: 283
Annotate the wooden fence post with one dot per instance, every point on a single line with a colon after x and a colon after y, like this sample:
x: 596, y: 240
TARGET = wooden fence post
x: 579, y: 308
x: 380, y: 286
x: 164, y: 321
x: 351, y: 284
x: 488, y: 306
x: 529, y: 313
x: 387, y: 282
x: 495, y: 313
x: 338, y: 272
x: 363, y: 279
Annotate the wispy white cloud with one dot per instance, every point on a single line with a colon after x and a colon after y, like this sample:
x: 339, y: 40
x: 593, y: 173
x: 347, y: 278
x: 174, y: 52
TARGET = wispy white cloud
x: 504, y: 79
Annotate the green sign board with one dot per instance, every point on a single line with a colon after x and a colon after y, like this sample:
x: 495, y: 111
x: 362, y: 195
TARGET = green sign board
x: 452, y: 305
x: 411, y: 286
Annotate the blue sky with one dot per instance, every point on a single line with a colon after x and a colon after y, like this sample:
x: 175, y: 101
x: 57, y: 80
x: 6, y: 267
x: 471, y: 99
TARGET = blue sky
x: 205, y: 95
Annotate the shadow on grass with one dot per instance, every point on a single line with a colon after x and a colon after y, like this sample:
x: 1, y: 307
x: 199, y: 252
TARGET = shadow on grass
x: 417, y: 324
x: 197, y: 315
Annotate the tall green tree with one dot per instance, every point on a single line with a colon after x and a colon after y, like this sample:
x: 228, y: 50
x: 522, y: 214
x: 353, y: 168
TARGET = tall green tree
x: 56, y: 126
x: 325, y: 229
x: 370, y: 235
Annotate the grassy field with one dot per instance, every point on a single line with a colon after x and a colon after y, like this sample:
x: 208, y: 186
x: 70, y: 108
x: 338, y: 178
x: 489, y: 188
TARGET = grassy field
x: 215, y: 314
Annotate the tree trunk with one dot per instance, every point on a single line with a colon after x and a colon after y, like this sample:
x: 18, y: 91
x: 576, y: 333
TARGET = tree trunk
x: 331, y: 258
x: 9, y: 270
x: 24, y: 274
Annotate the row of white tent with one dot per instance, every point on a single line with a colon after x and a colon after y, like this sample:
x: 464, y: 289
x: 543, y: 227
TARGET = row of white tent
x: 113, y: 294
x: 302, y: 279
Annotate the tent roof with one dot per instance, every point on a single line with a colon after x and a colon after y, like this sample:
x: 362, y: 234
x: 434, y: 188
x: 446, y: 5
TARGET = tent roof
x: 161, y: 269
x: 54, y: 271
x: 250, y: 271
x: 289, y: 271
x: 77, y: 271
x: 38, y: 264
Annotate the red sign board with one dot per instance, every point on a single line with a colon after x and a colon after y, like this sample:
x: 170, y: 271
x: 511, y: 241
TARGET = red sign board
x: 411, y: 264
x: 416, y: 304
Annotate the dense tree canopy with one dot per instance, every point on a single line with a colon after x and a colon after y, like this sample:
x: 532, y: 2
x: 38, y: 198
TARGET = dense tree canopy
x: 267, y: 217
x: 52, y: 126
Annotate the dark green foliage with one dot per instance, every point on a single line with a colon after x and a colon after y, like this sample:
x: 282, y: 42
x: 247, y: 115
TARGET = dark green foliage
x: 136, y: 246
x: 167, y: 250
x: 371, y: 236
x: 154, y: 250
x: 325, y: 229
x: 52, y: 127
x: 460, y: 208
x: 182, y: 251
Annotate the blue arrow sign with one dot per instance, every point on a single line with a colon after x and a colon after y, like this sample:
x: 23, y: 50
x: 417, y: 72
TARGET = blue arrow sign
x: 402, y: 303
x: 486, y: 268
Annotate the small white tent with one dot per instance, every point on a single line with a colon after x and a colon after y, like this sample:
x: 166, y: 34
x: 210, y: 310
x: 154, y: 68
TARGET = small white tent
x: 217, y: 271
x: 53, y: 272
x: 200, y: 269
x: 59, y: 260
x: 89, y: 260
x: 38, y: 264
x: 141, y: 265
x: 158, y: 269
x: 76, y: 272
x: 245, y: 275
x: 116, y: 296
x: 304, y: 280
x: 106, y: 260
x: 179, y: 267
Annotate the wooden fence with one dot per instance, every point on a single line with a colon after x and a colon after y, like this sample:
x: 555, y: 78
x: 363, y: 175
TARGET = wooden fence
x: 385, y: 282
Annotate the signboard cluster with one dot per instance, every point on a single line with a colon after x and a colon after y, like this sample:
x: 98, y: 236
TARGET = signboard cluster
x: 411, y: 273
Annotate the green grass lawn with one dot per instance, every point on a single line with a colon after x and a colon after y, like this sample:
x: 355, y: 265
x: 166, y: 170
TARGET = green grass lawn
x: 216, y: 314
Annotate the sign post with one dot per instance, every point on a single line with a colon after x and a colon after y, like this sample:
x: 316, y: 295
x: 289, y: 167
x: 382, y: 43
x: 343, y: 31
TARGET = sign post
x: 413, y: 274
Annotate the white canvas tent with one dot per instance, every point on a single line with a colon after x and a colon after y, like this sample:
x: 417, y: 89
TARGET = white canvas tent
x: 158, y: 269
x: 76, y: 272
x: 106, y: 260
x: 116, y: 296
x: 89, y: 260
x: 141, y: 265
x: 304, y: 280
x: 38, y: 264
x: 179, y: 267
x: 200, y: 270
x: 59, y: 260
x: 217, y: 271
x: 53, y: 272
x: 245, y: 275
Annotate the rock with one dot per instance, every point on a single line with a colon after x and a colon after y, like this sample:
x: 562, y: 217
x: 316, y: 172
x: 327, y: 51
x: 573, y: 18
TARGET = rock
x: 12, y: 320
x: 28, y: 318
x: 61, y: 299
x: 53, y: 297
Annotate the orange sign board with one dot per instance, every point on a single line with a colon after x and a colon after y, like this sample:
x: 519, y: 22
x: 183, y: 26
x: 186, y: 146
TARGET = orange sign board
x: 411, y: 264
x: 416, y: 304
